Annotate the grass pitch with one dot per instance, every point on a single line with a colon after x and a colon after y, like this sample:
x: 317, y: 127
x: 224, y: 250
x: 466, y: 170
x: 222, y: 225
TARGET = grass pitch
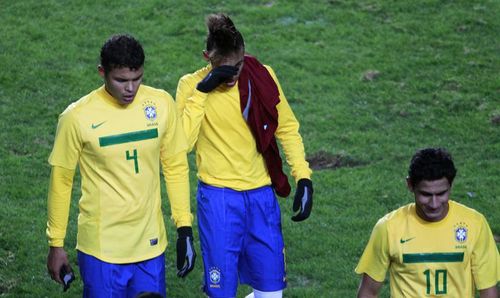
x: 369, y: 81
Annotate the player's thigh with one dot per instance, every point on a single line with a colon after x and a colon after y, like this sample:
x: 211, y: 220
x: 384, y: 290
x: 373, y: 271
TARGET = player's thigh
x: 149, y: 276
x: 262, y: 264
x: 102, y: 279
x: 221, y: 220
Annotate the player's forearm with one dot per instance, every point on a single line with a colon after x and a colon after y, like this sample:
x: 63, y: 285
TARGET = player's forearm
x: 176, y: 173
x: 291, y: 142
x: 59, y: 197
x: 489, y: 293
x: 366, y: 295
x: 368, y: 287
x: 296, y: 159
x: 192, y: 111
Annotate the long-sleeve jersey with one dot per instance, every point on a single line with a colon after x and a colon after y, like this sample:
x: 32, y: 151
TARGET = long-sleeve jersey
x: 226, y: 152
x: 119, y: 151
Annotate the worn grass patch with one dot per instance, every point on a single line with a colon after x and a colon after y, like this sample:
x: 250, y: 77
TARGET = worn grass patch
x: 324, y: 160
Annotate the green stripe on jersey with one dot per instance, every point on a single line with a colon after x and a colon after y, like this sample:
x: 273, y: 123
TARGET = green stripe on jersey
x: 434, y: 257
x: 128, y: 137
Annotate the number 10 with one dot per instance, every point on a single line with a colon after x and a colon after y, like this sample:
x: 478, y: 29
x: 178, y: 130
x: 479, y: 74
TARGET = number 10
x: 440, y: 281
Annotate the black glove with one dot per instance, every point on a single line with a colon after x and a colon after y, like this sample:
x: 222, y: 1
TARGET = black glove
x: 185, y: 251
x: 303, y: 200
x: 67, y: 277
x: 216, y: 77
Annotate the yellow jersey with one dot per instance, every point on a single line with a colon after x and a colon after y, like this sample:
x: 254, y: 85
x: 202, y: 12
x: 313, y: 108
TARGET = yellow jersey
x: 449, y: 258
x: 119, y: 150
x: 226, y: 152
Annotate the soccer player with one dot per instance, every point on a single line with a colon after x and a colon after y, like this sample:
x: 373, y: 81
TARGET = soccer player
x: 233, y: 111
x: 119, y: 135
x: 434, y: 247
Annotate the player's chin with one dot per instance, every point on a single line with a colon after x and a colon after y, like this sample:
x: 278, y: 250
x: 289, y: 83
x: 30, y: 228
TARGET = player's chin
x: 127, y: 99
x: 435, y: 215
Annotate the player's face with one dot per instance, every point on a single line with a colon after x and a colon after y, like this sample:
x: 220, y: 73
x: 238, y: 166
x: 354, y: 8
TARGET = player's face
x: 122, y: 83
x: 431, y: 198
x: 234, y: 59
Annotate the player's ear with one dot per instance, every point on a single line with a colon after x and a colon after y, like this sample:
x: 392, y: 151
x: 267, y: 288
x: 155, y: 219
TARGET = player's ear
x: 409, y: 184
x: 206, y: 56
x: 100, y: 69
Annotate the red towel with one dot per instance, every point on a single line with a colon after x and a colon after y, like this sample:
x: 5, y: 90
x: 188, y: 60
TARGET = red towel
x: 259, y: 96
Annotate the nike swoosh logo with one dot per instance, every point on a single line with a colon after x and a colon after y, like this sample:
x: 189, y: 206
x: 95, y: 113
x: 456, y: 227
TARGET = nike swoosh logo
x: 94, y: 126
x: 405, y: 240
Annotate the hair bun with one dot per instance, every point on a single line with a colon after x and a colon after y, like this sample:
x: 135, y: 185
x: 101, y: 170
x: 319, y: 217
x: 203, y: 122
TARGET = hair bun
x: 222, y: 34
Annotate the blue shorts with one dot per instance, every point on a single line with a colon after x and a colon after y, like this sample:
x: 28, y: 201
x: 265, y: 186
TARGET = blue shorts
x: 106, y: 280
x: 240, y: 234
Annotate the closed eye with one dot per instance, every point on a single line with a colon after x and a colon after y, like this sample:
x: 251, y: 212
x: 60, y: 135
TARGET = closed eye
x: 123, y: 80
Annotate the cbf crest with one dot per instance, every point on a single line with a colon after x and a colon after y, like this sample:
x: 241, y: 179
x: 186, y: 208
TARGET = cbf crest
x: 461, y: 232
x: 215, y: 277
x: 150, y: 110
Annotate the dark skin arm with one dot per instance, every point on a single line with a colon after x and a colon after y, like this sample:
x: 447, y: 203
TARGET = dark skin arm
x: 489, y: 292
x: 56, y: 259
x: 368, y: 287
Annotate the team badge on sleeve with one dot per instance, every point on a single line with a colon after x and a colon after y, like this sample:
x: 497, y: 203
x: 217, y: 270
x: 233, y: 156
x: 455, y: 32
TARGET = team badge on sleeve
x: 150, y: 110
x: 461, y: 232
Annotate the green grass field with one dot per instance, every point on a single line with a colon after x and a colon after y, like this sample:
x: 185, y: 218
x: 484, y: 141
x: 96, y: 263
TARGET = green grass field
x: 370, y: 81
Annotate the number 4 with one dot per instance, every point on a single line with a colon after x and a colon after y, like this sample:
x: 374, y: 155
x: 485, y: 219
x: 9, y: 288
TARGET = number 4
x: 133, y: 157
x: 440, y: 281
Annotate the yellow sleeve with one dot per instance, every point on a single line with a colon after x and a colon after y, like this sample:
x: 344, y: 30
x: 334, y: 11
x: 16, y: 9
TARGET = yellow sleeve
x: 176, y: 170
x: 176, y: 173
x: 67, y: 144
x: 375, y: 259
x: 485, y: 271
x: 191, y: 108
x: 289, y: 136
x: 61, y: 183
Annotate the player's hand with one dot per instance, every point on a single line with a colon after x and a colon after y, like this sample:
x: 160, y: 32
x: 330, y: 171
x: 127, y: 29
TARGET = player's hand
x: 57, y: 259
x: 216, y: 77
x: 185, y: 251
x: 303, y: 200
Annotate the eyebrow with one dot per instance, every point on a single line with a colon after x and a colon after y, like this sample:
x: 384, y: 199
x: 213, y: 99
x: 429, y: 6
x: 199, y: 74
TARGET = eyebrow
x: 138, y: 77
x: 425, y: 193
x: 125, y: 79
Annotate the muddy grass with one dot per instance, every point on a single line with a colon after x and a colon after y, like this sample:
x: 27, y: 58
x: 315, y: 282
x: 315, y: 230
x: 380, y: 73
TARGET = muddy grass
x: 322, y: 160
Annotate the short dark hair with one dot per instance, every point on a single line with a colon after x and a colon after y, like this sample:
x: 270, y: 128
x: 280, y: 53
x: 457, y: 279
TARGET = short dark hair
x: 122, y: 50
x: 431, y: 164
